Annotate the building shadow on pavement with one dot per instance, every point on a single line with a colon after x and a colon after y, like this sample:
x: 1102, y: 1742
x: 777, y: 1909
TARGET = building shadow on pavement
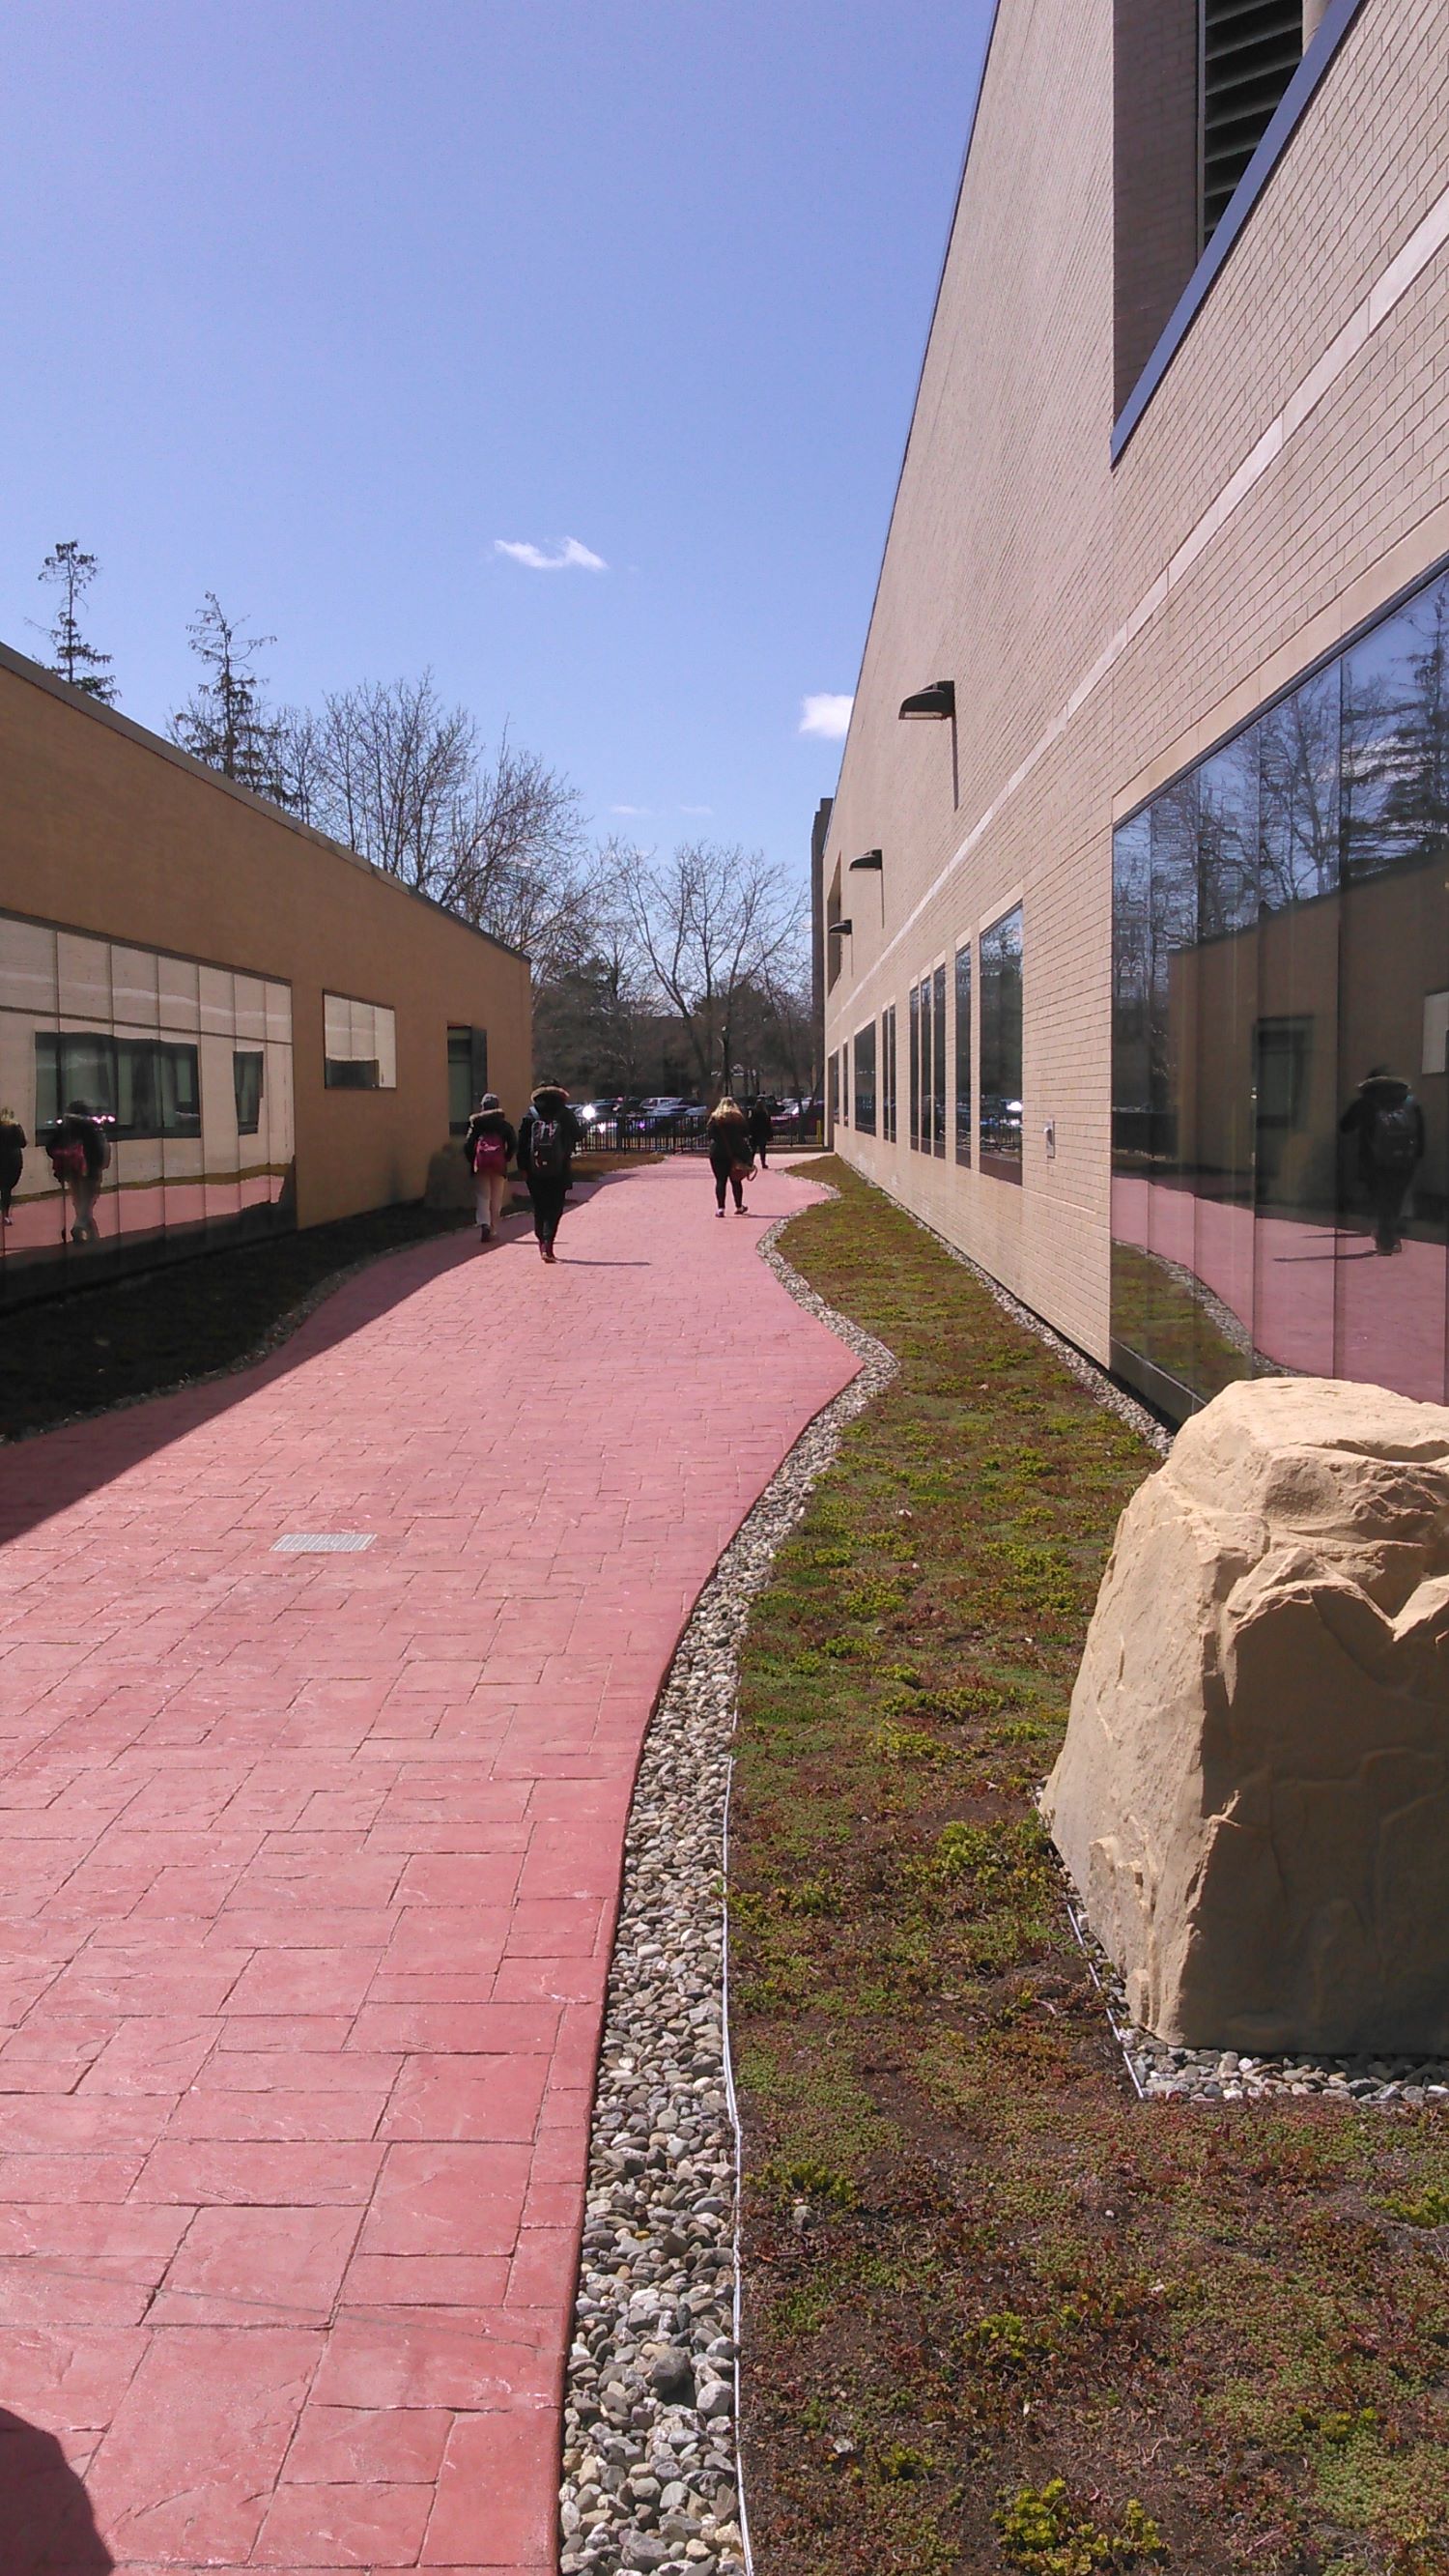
x: 48, y: 1471
x: 47, y: 2527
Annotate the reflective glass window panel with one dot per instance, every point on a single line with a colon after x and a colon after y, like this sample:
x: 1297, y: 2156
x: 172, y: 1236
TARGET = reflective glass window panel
x: 938, y: 1061
x: 889, y: 1034
x: 865, y: 1079
x: 927, y: 1070
x: 1298, y: 744
x: 1173, y: 1019
x: 246, y: 1074
x: 1132, y: 1154
x: 360, y: 1039
x: 1395, y: 745
x: 963, y: 1054
x: 913, y: 1034
x: 1001, y: 1047
x: 833, y: 1088
x: 1224, y: 966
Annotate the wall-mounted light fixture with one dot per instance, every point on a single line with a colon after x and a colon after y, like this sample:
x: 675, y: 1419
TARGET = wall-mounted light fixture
x: 838, y: 929
x: 868, y: 859
x: 931, y: 705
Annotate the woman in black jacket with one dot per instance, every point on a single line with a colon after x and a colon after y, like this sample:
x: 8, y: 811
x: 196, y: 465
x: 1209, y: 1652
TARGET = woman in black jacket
x: 549, y: 1135
x: 490, y: 1146
x: 760, y: 1131
x: 729, y: 1154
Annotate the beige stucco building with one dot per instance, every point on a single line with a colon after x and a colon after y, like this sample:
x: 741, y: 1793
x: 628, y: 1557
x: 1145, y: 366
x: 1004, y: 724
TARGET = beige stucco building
x: 267, y: 1030
x: 1172, y: 525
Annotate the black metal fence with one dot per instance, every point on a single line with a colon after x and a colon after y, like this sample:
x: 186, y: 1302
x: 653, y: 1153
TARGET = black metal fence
x: 648, y: 1135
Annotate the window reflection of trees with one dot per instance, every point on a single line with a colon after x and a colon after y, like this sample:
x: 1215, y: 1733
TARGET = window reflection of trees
x: 1298, y: 795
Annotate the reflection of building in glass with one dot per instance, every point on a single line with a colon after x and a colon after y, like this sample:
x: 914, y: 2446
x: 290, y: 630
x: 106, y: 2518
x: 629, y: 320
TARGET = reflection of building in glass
x: 213, y: 1022
x: 186, y: 1068
x: 1281, y: 934
x: 1152, y: 723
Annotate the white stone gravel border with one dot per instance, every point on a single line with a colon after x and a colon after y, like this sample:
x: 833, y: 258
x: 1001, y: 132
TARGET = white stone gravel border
x: 651, y: 2466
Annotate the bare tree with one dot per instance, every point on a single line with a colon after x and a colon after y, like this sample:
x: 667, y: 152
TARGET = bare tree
x: 711, y: 922
x: 70, y: 572
x: 402, y: 778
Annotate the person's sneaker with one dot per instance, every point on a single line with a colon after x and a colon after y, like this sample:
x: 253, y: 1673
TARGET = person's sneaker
x: 719, y: 1211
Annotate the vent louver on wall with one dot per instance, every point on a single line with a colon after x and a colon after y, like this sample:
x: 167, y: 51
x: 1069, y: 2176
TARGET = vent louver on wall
x: 1250, y: 51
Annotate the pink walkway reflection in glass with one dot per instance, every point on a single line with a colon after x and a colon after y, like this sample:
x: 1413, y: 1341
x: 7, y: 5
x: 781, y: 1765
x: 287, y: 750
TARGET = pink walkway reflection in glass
x: 1317, y: 1299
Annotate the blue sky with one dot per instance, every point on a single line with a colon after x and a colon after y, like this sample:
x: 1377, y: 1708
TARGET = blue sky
x: 312, y: 304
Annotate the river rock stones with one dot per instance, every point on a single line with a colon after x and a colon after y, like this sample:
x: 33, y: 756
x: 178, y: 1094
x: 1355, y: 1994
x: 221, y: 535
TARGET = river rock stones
x: 1253, y: 1794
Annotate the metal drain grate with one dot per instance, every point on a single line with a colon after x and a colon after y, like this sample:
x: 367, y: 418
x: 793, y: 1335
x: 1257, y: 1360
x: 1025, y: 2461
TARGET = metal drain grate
x: 323, y: 1542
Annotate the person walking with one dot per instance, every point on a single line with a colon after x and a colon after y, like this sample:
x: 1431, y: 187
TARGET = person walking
x: 13, y: 1141
x: 1389, y: 1125
x: 490, y: 1146
x: 549, y: 1136
x: 729, y: 1153
x: 759, y: 1131
x: 79, y: 1152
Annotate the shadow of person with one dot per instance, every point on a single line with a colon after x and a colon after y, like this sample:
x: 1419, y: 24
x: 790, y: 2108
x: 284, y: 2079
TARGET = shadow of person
x: 47, y: 2527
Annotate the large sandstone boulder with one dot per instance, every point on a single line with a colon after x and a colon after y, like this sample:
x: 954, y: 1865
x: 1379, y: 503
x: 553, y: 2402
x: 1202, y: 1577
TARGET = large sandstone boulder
x: 1253, y: 1794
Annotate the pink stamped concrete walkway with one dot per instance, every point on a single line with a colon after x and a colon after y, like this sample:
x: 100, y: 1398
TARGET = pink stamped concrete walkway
x: 308, y: 1870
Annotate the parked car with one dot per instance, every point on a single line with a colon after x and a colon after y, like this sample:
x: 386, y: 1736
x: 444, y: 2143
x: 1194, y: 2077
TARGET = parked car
x: 665, y: 1111
x: 591, y: 1113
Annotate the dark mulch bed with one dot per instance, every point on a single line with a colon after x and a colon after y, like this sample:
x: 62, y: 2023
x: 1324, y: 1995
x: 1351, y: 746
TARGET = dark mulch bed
x: 998, y: 2313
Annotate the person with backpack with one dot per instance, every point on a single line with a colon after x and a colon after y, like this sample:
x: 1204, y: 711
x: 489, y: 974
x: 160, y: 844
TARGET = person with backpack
x: 1389, y: 1125
x: 759, y: 1123
x: 730, y: 1153
x: 549, y: 1136
x: 490, y: 1146
x: 13, y: 1141
x: 79, y: 1152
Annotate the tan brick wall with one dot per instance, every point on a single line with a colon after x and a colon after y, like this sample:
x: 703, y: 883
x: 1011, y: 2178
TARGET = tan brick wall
x: 1017, y: 554
x: 104, y: 829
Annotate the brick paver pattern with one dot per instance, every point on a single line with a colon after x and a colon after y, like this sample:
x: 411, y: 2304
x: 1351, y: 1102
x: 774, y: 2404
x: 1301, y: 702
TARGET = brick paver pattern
x: 310, y: 1866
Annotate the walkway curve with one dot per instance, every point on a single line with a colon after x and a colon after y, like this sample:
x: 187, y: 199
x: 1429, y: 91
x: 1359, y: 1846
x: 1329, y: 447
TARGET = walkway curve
x: 311, y: 1863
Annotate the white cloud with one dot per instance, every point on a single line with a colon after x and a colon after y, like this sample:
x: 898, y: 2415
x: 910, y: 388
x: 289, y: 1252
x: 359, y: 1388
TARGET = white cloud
x: 636, y: 813
x: 826, y: 717
x: 569, y: 557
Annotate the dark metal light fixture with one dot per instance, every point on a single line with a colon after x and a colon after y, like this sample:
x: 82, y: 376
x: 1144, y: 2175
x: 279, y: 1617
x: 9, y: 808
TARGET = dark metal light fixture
x: 838, y: 929
x: 931, y: 704
x: 868, y: 859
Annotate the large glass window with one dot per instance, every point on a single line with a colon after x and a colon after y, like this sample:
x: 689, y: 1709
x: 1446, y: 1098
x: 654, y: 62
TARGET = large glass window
x: 360, y: 1044
x: 963, y: 1054
x: 865, y: 1079
x: 1280, y: 1122
x: 914, y: 1042
x: 1001, y: 1055
x: 888, y: 1074
x: 938, y: 1061
x: 833, y: 1089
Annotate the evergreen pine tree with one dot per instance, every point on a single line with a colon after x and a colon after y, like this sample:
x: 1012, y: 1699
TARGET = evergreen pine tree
x: 225, y: 722
x: 72, y: 573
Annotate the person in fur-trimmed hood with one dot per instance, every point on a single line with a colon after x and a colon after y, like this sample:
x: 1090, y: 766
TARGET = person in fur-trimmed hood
x: 549, y: 1136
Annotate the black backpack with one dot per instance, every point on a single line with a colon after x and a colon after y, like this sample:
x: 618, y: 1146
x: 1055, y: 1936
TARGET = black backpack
x: 1395, y: 1137
x: 547, y: 1150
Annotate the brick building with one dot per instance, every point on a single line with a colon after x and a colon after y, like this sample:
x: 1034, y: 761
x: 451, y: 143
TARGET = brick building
x: 268, y: 1031
x: 1137, y: 866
